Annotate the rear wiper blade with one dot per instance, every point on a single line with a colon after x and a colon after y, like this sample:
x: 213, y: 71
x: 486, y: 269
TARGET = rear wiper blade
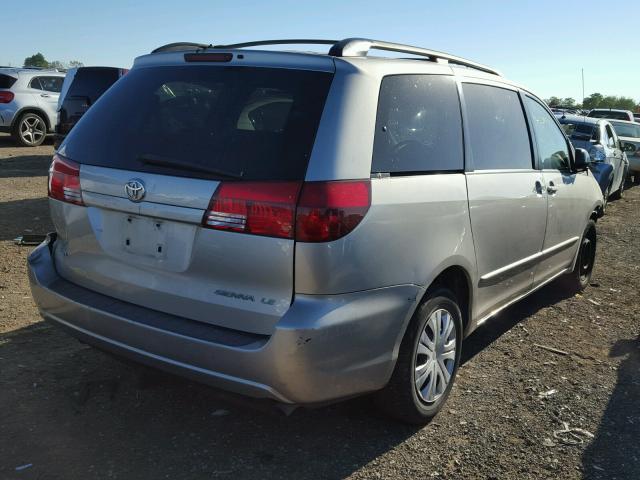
x: 151, y: 159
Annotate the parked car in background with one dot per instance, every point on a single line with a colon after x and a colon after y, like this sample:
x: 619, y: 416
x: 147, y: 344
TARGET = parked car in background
x: 629, y: 134
x: 307, y: 227
x: 611, y: 113
x: 82, y: 87
x: 636, y: 117
x: 609, y: 162
x: 28, y: 102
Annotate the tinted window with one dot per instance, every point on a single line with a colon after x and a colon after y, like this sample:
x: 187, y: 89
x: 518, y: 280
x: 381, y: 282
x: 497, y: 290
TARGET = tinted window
x: 579, y: 131
x: 90, y: 83
x: 255, y: 123
x: 6, y: 81
x: 418, y: 126
x: 551, y: 142
x: 51, y: 84
x: 609, y: 114
x: 35, y: 83
x: 611, y: 137
x: 497, y: 129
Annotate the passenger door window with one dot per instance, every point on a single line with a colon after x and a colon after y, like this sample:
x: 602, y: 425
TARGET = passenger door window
x: 418, y: 126
x: 498, y: 133
x: 35, y: 83
x: 51, y: 84
x: 611, y: 137
x: 553, y: 148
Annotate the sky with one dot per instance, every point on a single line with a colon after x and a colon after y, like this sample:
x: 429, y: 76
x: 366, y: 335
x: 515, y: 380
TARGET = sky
x: 541, y: 44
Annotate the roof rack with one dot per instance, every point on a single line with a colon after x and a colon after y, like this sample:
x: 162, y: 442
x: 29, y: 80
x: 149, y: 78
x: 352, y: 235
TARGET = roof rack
x: 349, y: 47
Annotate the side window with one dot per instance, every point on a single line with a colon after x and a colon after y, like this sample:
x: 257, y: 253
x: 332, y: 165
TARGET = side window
x: 418, y: 126
x: 35, y: 83
x: 498, y: 132
x: 551, y: 142
x: 51, y: 84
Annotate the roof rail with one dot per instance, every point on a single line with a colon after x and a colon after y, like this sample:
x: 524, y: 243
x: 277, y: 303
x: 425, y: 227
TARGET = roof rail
x: 359, y: 47
x: 177, y: 46
x: 289, y: 41
x: 349, y: 47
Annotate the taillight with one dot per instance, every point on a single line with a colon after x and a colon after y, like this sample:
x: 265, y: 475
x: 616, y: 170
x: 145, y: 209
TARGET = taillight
x: 308, y: 212
x: 259, y: 208
x: 64, y: 180
x: 6, y: 96
x: 330, y: 210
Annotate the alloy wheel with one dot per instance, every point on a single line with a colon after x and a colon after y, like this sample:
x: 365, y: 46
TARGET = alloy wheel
x: 32, y: 129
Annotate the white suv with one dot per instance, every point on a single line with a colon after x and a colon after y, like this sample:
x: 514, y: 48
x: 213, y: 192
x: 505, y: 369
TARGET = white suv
x: 28, y: 102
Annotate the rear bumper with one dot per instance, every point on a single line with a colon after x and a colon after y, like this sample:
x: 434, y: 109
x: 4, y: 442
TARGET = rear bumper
x: 324, y: 348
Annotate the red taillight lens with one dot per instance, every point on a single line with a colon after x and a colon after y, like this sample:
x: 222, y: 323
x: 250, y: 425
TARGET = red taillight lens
x: 260, y: 208
x: 6, y: 96
x: 330, y: 210
x: 64, y: 180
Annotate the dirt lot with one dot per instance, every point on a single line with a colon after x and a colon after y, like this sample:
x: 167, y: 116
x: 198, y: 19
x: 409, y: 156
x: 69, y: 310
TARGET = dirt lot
x: 68, y: 411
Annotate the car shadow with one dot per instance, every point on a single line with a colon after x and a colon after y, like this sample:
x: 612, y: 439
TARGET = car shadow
x: 20, y: 217
x: 25, y: 166
x: 504, y: 321
x: 614, y: 453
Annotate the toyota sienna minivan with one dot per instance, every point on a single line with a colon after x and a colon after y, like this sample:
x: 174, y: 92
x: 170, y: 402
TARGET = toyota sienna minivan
x: 307, y: 227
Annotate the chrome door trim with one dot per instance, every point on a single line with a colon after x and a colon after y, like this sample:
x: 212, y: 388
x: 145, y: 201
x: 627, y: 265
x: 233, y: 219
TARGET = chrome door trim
x: 501, y: 273
x: 520, y: 297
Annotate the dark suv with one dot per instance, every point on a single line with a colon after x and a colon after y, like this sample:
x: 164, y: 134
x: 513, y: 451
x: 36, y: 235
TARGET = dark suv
x: 81, y: 88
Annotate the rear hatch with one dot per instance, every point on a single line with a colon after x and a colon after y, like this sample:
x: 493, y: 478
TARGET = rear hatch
x: 151, y: 154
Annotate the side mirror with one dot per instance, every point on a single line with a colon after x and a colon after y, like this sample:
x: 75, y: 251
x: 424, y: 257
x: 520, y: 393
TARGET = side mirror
x: 628, y: 147
x: 582, y: 160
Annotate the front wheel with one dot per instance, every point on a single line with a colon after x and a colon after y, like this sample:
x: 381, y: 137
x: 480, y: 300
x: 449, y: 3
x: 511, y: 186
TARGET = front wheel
x: 427, y: 363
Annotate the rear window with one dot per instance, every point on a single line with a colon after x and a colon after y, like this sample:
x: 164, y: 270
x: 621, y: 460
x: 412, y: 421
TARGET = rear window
x: 626, y: 129
x: 579, y: 130
x: 418, y: 126
x: 7, y: 81
x: 205, y: 122
x: 92, y: 82
x: 609, y: 114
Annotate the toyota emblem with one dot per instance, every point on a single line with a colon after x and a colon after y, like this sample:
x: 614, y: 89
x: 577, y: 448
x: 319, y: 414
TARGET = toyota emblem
x: 135, y: 190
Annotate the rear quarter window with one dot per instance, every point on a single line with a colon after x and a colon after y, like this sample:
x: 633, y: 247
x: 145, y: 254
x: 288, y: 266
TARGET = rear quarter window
x: 418, y: 125
x: 7, y: 81
x: 91, y: 83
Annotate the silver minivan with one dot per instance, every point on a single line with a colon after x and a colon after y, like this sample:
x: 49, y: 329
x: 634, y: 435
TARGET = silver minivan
x: 308, y: 227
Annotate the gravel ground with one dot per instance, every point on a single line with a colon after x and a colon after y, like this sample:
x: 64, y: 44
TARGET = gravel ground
x: 69, y: 412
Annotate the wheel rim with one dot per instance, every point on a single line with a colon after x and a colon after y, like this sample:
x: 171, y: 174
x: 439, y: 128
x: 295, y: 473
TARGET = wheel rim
x: 435, y: 356
x: 32, y: 130
x: 587, y: 255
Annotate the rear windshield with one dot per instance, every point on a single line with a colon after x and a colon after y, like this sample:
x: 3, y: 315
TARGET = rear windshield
x: 609, y: 114
x: 205, y: 122
x: 92, y: 82
x: 6, y: 81
x: 626, y: 129
x: 579, y: 130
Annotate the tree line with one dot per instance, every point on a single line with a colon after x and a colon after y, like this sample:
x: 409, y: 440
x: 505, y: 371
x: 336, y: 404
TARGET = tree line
x: 38, y: 60
x: 596, y: 100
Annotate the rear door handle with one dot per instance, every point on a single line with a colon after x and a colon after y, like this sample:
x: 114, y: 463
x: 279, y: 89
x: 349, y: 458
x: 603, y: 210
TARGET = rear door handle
x: 551, y: 189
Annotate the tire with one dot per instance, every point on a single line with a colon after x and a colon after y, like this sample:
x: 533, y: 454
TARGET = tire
x: 636, y: 178
x: 30, y: 130
x: 580, y: 276
x: 618, y: 194
x: 408, y: 396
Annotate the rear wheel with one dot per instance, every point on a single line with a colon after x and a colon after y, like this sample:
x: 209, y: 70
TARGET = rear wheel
x: 427, y: 362
x: 579, y: 278
x: 618, y: 194
x: 636, y: 178
x: 30, y: 130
